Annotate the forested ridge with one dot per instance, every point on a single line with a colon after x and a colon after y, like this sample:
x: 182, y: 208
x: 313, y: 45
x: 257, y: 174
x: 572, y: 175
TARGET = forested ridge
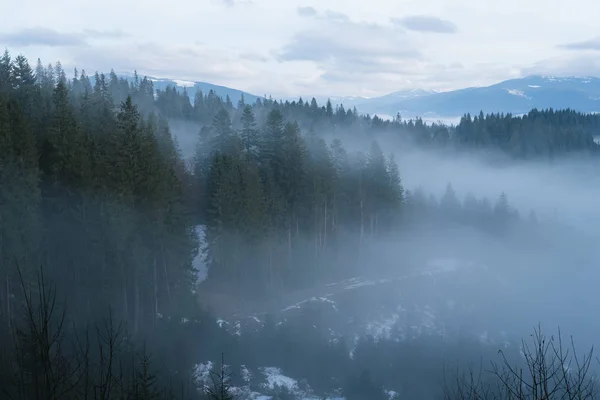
x: 96, y: 197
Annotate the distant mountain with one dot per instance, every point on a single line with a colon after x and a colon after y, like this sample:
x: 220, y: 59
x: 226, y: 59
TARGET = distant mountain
x: 516, y: 96
x: 221, y: 91
x: 379, y: 102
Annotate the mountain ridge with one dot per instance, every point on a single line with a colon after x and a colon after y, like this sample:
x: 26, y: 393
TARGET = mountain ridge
x: 515, y: 96
x: 180, y: 84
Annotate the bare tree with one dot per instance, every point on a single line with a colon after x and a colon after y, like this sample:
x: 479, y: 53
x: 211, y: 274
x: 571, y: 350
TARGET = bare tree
x: 51, y: 361
x: 549, y: 370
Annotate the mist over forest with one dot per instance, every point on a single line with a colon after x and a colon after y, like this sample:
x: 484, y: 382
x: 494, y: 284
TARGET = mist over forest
x: 160, y: 244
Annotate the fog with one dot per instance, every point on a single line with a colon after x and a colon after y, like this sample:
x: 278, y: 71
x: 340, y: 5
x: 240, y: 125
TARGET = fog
x: 553, y: 283
x: 564, y: 189
x: 504, y: 286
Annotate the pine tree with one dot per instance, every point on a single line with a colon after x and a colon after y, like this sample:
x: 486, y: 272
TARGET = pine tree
x: 249, y: 133
x: 6, y: 75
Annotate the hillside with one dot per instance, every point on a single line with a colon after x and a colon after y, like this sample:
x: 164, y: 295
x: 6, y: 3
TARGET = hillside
x: 192, y: 86
x: 516, y: 96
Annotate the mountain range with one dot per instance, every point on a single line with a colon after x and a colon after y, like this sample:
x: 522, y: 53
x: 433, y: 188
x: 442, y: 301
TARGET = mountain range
x: 516, y: 96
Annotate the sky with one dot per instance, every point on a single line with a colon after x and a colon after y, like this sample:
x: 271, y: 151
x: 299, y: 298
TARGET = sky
x: 306, y: 47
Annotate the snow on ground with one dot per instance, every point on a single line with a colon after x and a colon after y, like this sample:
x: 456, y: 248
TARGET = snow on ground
x: 276, y: 379
x: 516, y: 92
x: 246, y: 374
x: 314, y: 298
x: 406, y: 321
x: 358, y: 283
x: 202, y: 374
x: 392, y: 394
x: 272, y: 381
x: 179, y: 82
x: 199, y: 261
x: 382, y: 329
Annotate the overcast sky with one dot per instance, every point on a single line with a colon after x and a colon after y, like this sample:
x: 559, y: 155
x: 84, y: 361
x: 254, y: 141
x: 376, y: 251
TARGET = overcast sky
x: 306, y: 47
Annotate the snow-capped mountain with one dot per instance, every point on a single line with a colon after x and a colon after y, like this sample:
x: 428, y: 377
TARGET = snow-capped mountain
x: 192, y: 86
x: 514, y: 96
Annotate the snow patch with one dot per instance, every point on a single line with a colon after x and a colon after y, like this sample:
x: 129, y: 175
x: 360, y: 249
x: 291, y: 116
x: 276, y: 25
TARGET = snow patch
x: 276, y: 379
x: 202, y: 373
x: 516, y: 92
x: 199, y: 261
x: 300, y: 303
x: 392, y: 394
x: 383, y: 328
x: 356, y: 283
x: 246, y: 374
x: 179, y: 82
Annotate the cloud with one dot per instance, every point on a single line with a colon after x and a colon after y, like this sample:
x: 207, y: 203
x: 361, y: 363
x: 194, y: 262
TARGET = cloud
x: 424, y: 23
x: 371, y: 59
x: 342, y: 44
x: 39, y: 36
x: 255, y: 57
x: 336, y: 16
x: 101, y: 34
x: 188, y: 62
x: 566, y: 65
x: 591, y: 44
x: 329, y: 15
x: 231, y: 3
x: 306, y: 11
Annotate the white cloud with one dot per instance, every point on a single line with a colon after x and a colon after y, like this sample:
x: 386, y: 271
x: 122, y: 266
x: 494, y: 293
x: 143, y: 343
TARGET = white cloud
x: 584, y: 64
x: 425, y: 23
x: 335, y: 47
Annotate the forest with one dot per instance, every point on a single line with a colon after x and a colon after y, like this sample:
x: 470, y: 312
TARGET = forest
x: 99, y: 214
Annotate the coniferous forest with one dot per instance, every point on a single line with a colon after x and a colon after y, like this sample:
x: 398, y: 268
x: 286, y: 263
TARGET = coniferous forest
x: 99, y: 217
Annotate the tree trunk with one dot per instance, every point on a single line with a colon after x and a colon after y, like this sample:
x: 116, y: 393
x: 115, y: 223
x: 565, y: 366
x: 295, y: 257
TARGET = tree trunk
x: 362, y: 224
x: 8, y: 309
x: 124, y: 283
x: 137, y: 308
x: 325, y: 225
x: 289, y: 246
x: 155, y: 311
x: 164, y: 263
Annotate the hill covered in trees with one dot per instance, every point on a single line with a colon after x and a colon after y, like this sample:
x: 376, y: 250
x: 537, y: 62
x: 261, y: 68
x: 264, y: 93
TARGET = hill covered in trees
x: 94, y: 189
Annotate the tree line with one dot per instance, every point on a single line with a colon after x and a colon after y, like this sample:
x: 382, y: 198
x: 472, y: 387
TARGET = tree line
x: 545, y: 133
